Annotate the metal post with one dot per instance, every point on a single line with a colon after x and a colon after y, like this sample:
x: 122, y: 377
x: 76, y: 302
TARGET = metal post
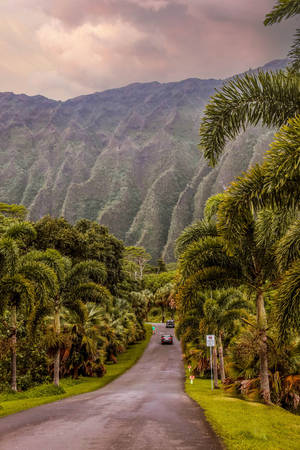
x: 211, y: 371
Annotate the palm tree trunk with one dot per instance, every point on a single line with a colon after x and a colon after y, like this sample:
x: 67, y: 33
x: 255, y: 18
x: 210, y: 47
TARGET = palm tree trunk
x: 163, y: 314
x: 221, y: 358
x: 215, y: 367
x: 14, y: 348
x: 56, y: 365
x: 263, y: 351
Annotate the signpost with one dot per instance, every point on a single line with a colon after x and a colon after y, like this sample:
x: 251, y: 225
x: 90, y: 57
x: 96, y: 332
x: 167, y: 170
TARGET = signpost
x: 192, y: 377
x: 210, y: 342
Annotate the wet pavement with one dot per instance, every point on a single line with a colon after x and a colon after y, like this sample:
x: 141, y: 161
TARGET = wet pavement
x: 144, y: 409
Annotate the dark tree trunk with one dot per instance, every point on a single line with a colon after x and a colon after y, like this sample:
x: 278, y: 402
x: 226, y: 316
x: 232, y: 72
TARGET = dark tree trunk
x: 263, y: 350
x: 215, y: 367
x: 221, y: 358
x: 56, y: 367
x: 56, y: 362
x: 14, y: 349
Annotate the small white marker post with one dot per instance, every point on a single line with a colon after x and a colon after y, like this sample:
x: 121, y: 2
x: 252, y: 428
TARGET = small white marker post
x: 210, y: 342
x: 189, y: 367
x: 192, y: 377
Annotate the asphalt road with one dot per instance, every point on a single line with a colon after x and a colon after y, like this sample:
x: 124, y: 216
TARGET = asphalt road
x: 145, y: 409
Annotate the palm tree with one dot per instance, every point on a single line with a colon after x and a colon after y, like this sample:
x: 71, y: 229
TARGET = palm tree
x: 83, y: 355
x: 23, y: 281
x: 269, y: 98
x: 220, y: 310
x: 266, y: 97
x: 276, y: 181
x: 232, y: 259
x: 273, y: 100
x: 288, y: 260
x: 192, y: 233
x: 141, y: 302
x: 274, y: 184
x: 78, y: 284
x: 163, y: 298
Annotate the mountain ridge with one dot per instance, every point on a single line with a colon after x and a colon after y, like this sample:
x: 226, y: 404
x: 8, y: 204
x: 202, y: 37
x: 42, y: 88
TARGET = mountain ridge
x: 127, y: 157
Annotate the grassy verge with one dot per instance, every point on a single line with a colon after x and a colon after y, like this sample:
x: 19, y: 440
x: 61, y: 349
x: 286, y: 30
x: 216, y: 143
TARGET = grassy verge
x: 245, y: 425
x: 12, y: 403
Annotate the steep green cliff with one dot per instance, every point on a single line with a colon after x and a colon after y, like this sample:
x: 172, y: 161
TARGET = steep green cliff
x: 126, y: 157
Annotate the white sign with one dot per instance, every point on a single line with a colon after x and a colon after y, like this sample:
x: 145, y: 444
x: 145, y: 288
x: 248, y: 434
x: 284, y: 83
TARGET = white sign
x: 210, y: 340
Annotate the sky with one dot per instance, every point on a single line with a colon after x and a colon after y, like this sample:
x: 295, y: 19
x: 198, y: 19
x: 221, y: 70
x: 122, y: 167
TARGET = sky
x: 65, y: 48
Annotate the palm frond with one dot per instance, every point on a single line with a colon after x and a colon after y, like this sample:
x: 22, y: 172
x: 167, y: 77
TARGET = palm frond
x: 36, y: 317
x: 90, y: 292
x: 17, y: 290
x: 9, y: 254
x: 294, y: 53
x: 51, y: 258
x: 282, y: 166
x: 283, y: 9
x: 41, y: 275
x: 288, y: 248
x: 12, y: 210
x: 288, y: 303
x: 275, y: 183
x: 21, y: 231
x: 266, y: 97
x: 75, y: 308
x: 212, y: 278
x: 89, y: 270
x: 270, y: 226
x: 212, y: 206
x: 207, y: 252
x: 234, y: 216
x: 193, y: 233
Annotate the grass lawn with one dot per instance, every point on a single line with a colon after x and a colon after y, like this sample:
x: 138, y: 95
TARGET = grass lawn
x: 246, y: 425
x: 47, y: 393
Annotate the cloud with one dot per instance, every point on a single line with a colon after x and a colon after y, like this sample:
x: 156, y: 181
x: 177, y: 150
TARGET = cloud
x: 65, y: 48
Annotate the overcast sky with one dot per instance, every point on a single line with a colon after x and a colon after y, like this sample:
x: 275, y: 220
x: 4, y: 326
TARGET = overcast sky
x: 65, y: 48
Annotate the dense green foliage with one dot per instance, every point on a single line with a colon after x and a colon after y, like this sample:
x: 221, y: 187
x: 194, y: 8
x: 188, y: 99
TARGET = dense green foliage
x: 66, y: 300
x: 46, y: 393
x: 248, y: 243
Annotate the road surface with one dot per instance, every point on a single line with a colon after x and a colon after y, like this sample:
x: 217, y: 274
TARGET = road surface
x: 145, y: 409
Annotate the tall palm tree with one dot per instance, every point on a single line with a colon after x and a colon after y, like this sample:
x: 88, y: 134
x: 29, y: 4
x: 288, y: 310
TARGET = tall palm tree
x: 220, y: 310
x: 78, y: 284
x: 83, y: 355
x: 23, y: 282
x: 234, y: 260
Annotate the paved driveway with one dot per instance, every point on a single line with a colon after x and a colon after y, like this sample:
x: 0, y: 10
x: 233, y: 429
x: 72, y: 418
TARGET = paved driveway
x: 145, y: 409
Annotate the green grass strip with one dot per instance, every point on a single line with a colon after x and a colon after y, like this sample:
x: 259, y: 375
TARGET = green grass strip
x: 246, y: 425
x: 12, y: 403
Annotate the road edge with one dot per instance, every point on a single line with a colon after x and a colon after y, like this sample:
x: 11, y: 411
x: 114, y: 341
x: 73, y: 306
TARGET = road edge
x: 95, y: 384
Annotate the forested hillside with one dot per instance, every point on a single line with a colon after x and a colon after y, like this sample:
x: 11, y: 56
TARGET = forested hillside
x: 127, y: 158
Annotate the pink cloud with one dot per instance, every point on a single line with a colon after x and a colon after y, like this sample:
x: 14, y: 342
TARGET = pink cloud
x: 98, y: 44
